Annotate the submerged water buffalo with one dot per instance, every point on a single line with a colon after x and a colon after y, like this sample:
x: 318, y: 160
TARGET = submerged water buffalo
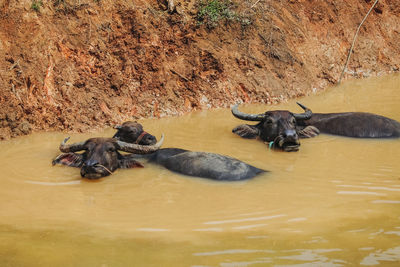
x: 132, y: 132
x: 282, y: 129
x: 101, y: 156
x: 354, y: 124
x: 199, y: 164
x: 279, y: 127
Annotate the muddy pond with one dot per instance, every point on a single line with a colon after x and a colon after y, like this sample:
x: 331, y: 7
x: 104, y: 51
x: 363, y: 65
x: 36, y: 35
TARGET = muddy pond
x: 335, y: 202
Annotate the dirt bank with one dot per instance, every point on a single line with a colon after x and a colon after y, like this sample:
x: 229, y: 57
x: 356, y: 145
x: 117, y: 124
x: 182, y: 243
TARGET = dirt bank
x: 76, y: 65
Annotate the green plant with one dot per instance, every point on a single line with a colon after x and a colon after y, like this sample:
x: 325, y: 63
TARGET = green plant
x: 36, y: 5
x: 212, y: 11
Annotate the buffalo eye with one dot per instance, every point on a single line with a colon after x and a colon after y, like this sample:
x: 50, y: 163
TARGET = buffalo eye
x: 293, y: 120
x: 133, y: 130
x: 269, y: 121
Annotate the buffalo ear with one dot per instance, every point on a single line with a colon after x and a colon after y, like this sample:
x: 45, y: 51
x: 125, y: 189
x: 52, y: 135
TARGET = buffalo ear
x: 126, y: 162
x: 246, y: 131
x: 70, y: 159
x: 308, y: 132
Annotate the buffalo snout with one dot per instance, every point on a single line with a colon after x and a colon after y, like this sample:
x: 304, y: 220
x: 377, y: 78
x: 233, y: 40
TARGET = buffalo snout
x: 92, y: 169
x: 147, y: 139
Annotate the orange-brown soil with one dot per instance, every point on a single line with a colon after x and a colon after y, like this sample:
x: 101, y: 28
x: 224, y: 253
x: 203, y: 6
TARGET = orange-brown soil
x: 75, y: 65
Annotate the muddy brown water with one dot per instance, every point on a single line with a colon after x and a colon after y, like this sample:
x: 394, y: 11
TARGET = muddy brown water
x: 336, y: 202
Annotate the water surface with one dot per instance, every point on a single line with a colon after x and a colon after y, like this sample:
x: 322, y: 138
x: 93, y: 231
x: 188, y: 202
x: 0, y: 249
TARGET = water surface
x: 336, y: 202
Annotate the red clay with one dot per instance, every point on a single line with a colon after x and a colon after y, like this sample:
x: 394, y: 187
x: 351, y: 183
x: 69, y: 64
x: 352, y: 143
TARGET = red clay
x: 75, y: 67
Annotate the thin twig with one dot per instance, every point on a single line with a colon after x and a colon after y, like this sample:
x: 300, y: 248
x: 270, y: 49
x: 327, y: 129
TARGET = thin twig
x: 354, y: 40
x: 180, y: 75
x: 255, y: 4
x: 14, y: 65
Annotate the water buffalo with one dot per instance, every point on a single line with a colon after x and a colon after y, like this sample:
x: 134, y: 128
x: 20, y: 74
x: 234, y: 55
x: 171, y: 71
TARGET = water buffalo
x: 282, y: 129
x: 132, y: 132
x: 279, y: 127
x: 354, y: 124
x: 199, y: 164
x: 101, y: 156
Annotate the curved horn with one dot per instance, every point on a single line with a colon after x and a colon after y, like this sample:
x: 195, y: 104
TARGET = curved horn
x: 303, y: 116
x: 117, y: 127
x: 139, y: 149
x: 73, y: 147
x: 244, y: 116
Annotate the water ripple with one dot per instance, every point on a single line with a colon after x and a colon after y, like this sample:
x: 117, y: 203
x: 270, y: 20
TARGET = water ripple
x: 232, y: 251
x: 209, y: 230
x: 246, y: 219
x: 314, y: 257
x: 385, y: 201
x: 152, y: 230
x: 300, y: 219
x: 248, y: 226
x: 393, y: 233
x: 371, y: 187
x: 246, y: 263
x: 74, y: 182
x: 360, y: 193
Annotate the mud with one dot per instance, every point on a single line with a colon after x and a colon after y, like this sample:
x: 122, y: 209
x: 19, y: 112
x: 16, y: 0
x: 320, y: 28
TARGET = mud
x: 79, y: 65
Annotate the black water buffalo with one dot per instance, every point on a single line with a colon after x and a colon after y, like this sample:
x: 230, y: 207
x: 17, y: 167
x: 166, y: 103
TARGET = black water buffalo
x: 354, y: 124
x: 101, y: 156
x: 282, y: 129
x: 132, y: 132
x: 204, y: 164
x: 199, y: 164
x: 279, y: 127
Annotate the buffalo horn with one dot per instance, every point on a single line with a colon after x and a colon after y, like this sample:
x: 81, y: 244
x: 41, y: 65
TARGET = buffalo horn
x: 303, y: 116
x: 244, y: 116
x: 139, y: 149
x: 73, y: 147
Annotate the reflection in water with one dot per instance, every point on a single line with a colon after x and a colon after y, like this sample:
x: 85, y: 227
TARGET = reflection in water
x: 152, y: 230
x: 333, y: 203
x: 314, y: 256
x: 371, y: 187
x: 386, y: 201
x: 390, y: 255
x: 393, y: 233
x: 209, y: 230
x: 55, y: 183
x: 249, y: 226
x: 297, y: 219
x: 231, y: 251
x: 247, y: 219
x: 360, y: 193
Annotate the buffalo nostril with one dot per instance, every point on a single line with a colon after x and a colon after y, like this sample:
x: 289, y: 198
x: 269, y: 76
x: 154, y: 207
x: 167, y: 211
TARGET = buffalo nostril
x: 148, y: 140
x: 290, y: 133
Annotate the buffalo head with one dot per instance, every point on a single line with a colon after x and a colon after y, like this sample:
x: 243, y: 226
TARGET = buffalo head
x: 101, y: 156
x: 278, y: 127
x: 132, y: 132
